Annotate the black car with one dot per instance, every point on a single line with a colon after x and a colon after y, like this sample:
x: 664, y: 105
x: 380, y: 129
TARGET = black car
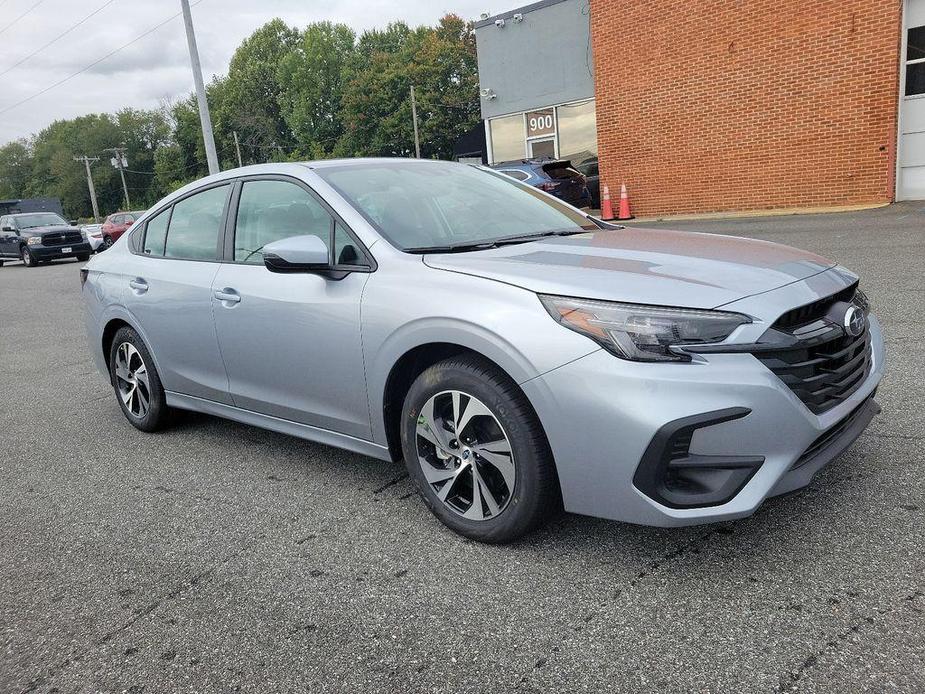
x: 37, y: 237
x: 555, y: 176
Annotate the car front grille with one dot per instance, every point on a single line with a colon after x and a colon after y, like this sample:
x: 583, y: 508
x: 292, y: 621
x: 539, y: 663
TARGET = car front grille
x: 62, y: 239
x: 823, y: 375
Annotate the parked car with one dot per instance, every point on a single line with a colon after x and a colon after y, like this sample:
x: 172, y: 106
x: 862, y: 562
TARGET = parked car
x: 93, y: 234
x: 117, y: 224
x: 555, y: 176
x: 38, y: 237
x: 590, y: 170
x: 517, y: 353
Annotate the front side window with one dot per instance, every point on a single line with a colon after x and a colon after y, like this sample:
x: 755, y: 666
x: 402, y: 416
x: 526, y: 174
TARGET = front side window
x: 915, y: 61
x: 156, y: 233
x: 515, y: 173
x: 195, y: 225
x: 272, y: 210
x: 428, y: 204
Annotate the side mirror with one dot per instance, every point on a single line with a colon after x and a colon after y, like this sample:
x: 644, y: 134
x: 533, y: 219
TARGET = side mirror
x: 297, y: 254
x: 8, y: 228
x: 129, y: 223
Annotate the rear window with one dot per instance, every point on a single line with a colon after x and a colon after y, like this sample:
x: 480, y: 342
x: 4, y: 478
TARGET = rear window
x: 561, y: 170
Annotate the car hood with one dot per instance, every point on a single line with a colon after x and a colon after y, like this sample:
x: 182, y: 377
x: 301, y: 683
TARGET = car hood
x: 647, y: 266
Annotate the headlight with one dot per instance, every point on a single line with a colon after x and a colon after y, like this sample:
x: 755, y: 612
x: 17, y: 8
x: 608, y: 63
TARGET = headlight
x: 642, y: 333
x: 34, y: 240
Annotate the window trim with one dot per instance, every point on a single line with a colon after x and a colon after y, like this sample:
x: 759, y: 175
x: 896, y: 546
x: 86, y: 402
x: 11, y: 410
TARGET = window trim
x: 336, y: 219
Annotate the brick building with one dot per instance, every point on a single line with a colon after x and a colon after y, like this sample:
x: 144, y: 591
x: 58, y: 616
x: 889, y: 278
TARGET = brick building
x: 742, y: 104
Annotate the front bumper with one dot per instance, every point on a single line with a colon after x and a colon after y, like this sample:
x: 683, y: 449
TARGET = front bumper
x: 40, y: 252
x: 602, y: 414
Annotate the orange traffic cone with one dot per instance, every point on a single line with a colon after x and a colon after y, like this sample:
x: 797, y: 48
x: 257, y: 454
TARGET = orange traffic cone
x: 606, y: 206
x: 624, y: 204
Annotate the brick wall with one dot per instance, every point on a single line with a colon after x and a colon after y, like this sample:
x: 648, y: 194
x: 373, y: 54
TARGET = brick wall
x: 746, y: 104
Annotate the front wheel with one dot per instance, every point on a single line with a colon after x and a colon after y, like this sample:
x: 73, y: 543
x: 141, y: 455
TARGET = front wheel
x: 476, y: 451
x: 136, y: 383
x: 27, y: 258
x: 107, y: 242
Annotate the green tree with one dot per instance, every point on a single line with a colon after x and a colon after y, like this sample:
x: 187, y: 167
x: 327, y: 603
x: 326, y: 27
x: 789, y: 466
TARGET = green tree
x: 249, y: 102
x: 15, y: 168
x: 311, y: 80
x: 440, y: 62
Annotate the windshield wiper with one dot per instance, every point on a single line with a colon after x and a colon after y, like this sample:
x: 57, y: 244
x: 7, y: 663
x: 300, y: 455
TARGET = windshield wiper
x: 453, y: 247
x: 494, y: 243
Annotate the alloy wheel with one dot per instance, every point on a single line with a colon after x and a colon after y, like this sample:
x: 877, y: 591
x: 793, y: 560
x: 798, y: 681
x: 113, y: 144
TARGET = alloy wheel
x: 107, y: 242
x: 465, y: 455
x: 132, y: 380
x: 26, y: 257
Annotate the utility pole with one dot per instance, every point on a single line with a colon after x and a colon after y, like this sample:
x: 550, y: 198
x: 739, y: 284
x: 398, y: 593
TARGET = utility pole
x: 237, y: 146
x: 120, y: 162
x: 414, y: 117
x: 96, y: 210
x: 204, y: 117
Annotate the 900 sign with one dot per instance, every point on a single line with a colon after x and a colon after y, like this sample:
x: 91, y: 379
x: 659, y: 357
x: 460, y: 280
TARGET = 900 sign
x: 542, y: 122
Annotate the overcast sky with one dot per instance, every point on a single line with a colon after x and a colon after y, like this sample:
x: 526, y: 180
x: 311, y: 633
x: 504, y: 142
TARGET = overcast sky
x: 157, y: 66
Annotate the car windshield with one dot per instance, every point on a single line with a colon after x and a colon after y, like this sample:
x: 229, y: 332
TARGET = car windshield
x: 442, y: 205
x: 39, y: 219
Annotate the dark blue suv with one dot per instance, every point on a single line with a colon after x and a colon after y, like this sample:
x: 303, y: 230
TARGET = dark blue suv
x: 555, y: 176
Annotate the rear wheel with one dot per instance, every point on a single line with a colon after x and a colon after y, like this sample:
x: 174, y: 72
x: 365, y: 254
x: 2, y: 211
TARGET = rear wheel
x: 136, y: 383
x: 476, y: 452
x: 27, y: 258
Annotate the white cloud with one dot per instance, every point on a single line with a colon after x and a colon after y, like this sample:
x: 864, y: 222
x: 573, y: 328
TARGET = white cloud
x: 156, y: 66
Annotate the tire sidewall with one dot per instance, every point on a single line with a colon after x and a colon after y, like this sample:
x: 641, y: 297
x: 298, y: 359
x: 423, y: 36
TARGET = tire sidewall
x: 157, y: 412
x: 517, y: 517
x: 27, y: 258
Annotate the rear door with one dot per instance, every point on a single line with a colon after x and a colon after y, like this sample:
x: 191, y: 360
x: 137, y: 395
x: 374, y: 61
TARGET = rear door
x: 291, y: 342
x: 169, y: 291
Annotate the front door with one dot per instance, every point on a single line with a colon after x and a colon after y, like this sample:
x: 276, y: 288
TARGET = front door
x: 291, y: 342
x: 169, y: 290
x: 911, y: 174
x: 9, y: 243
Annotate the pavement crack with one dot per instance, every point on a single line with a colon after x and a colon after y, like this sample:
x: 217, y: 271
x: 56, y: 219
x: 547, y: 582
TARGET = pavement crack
x: 390, y: 483
x: 792, y: 679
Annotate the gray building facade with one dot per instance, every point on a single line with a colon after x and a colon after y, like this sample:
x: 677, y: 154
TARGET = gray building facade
x: 536, y: 79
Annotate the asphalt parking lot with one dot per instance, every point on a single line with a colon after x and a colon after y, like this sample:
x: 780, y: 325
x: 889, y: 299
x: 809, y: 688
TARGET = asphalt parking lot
x: 217, y: 557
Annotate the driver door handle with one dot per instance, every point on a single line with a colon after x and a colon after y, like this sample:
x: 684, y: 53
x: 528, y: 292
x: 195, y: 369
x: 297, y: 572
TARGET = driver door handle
x: 139, y: 285
x: 229, y: 296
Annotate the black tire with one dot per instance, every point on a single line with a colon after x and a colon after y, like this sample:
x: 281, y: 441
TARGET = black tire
x: 107, y: 243
x: 27, y: 258
x: 1, y: 263
x: 83, y: 258
x: 536, y: 493
x: 157, y: 414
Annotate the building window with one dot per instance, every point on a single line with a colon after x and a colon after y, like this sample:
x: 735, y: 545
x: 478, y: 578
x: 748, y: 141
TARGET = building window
x: 507, y: 137
x: 577, y: 131
x: 915, y: 61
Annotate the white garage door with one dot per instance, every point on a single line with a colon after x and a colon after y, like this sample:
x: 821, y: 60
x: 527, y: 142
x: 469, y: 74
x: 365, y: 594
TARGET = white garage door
x: 911, y: 175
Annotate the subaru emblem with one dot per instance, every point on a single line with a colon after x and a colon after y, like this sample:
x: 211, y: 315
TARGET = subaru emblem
x: 855, y: 321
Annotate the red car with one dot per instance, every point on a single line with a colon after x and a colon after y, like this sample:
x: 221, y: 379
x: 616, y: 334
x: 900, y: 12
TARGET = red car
x: 116, y: 224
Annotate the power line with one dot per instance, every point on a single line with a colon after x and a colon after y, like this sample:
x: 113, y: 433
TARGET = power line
x: 21, y: 16
x: 94, y: 63
x: 58, y: 37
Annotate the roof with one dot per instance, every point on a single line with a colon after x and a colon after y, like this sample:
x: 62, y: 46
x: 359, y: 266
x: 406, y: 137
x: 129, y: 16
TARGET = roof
x: 517, y: 10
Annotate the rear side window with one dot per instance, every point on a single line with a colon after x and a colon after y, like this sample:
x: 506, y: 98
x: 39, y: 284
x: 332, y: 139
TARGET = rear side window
x: 156, y: 233
x: 195, y: 225
x: 272, y: 210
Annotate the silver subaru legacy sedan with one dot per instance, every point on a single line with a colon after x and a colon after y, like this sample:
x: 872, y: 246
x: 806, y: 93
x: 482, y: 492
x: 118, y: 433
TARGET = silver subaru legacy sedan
x: 518, y: 354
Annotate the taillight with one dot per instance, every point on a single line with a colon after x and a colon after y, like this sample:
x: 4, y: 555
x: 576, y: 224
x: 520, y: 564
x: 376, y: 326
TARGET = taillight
x: 83, y: 276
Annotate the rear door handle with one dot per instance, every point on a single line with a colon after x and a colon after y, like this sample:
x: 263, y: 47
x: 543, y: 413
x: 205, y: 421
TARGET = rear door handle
x: 227, y: 296
x: 139, y: 285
